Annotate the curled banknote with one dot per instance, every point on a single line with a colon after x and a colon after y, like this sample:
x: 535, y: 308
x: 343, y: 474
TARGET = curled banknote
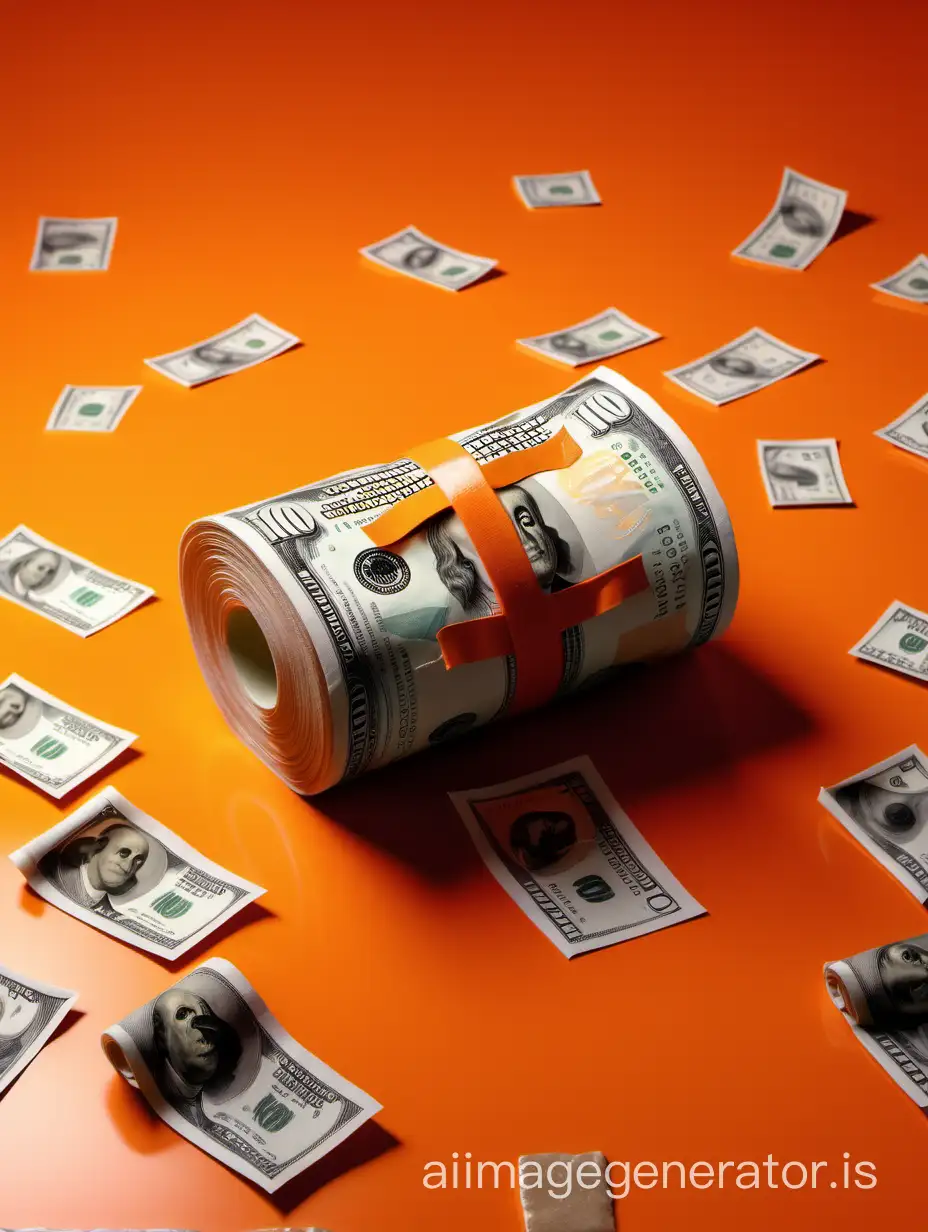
x: 909, y: 283
x: 749, y: 363
x: 883, y: 994
x: 898, y: 640
x: 251, y: 341
x: 412, y: 252
x: 216, y: 1065
x: 910, y: 430
x: 61, y: 586
x: 561, y: 188
x: 117, y: 869
x: 564, y: 850
x: 73, y: 244
x: 607, y: 333
x: 90, y: 408
x: 322, y: 648
x: 885, y: 807
x: 803, y: 472
x: 30, y: 1012
x: 50, y: 744
x: 800, y: 225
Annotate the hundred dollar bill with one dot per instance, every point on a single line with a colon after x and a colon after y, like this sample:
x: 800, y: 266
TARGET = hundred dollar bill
x: 51, y: 744
x: 909, y: 283
x: 803, y: 473
x: 883, y: 994
x: 800, y: 225
x: 899, y: 640
x: 250, y: 342
x: 885, y: 807
x: 608, y: 333
x: 73, y: 244
x: 563, y: 849
x: 751, y: 362
x: 910, y: 430
x: 30, y: 1011
x: 564, y: 188
x: 63, y: 587
x: 88, y: 408
x: 216, y: 1065
x: 114, y: 867
x: 411, y: 252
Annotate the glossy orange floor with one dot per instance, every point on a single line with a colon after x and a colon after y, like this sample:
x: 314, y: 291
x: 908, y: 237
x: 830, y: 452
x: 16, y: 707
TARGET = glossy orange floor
x: 249, y: 151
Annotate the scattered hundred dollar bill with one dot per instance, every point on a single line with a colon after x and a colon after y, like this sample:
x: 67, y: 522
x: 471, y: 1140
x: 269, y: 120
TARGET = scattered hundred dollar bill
x: 114, y: 867
x: 30, y: 1011
x: 250, y: 342
x: 51, y: 744
x: 216, y: 1065
x: 562, y: 848
x: 910, y: 430
x: 63, y: 587
x: 608, y: 333
x: 411, y: 252
x: 564, y: 188
x: 800, y: 225
x: 73, y: 244
x: 883, y: 994
x: 885, y: 807
x: 751, y: 362
x: 910, y: 283
x: 87, y: 408
x: 899, y: 640
x: 803, y: 473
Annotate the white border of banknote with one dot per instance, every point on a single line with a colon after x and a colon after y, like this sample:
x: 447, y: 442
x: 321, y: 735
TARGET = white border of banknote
x: 844, y: 498
x: 146, y: 591
x: 124, y: 739
x: 27, y: 857
x: 900, y: 273
x: 626, y: 830
x: 647, y: 335
x: 877, y: 627
x: 84, y: 269
x: 129, y: 392
x: 279, y: 1036
x: 289, y: 340
x: 30, y: 1053
x: 827, y: 799
x: 885, y: 433
x: 673, y: 374
x: 771, y: 217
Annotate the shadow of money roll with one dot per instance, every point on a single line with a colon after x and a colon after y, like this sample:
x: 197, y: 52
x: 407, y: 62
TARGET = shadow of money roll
x: 320, y: 641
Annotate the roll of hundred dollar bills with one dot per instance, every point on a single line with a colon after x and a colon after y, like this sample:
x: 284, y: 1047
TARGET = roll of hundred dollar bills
x: 320, y: 641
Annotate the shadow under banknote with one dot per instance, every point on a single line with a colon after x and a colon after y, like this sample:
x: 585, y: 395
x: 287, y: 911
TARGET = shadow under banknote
x: 364, y: 1145
x: 710, y: 706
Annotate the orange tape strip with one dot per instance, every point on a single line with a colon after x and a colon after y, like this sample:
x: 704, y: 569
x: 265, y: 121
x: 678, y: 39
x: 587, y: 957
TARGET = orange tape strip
x: 535, y: 642
x: 553, y: 454
x: 488, y: 637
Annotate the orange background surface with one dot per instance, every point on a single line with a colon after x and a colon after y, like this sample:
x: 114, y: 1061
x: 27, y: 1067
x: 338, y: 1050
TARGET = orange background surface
x: 249, y: 151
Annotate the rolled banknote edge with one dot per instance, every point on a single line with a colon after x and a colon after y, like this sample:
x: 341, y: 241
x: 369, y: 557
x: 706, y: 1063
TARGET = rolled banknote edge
x: 847, y: 992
